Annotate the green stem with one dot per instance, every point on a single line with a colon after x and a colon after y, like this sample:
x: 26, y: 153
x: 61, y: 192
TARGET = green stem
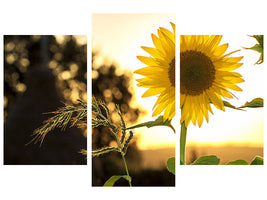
x: 122, y: 155
x: 126, y: 168
x: 182, y: 143
x: 120, y: 147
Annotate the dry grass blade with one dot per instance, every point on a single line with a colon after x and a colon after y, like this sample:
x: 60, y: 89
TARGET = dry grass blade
x: 63, y: 116
x: 83, y: 152
x: 104, y: 150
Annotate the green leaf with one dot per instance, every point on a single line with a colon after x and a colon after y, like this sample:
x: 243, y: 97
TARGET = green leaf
x: 171, y: 165
x: 227, y: 104
x: 238, y: 162
x: 255, y: 103
x: 207, y: 160
x: 158, y: 122
x: 110, y: 182
x: 257, y: 161
x: 258, y: 47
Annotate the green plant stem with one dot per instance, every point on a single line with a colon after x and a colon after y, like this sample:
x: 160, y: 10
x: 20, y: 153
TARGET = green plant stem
x: 182, y: 143
x: 126, y: 168
x: 125, y: 164
x: 121, y: 151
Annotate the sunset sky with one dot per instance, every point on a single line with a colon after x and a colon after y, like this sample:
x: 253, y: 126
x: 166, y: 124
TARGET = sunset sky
x: 120, y: 37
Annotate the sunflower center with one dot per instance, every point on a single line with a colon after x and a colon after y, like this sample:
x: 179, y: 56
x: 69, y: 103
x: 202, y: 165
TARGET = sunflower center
x: 171, y: 72
x: 197, y: 72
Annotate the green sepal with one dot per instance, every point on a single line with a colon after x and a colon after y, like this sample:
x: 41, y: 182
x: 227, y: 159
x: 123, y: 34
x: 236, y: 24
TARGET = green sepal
x: 158, y: 122
x: 207, y: 160
x: 257, y: 161
x: 238, y: 162
x: 171, y: 165
x: 111, y: 181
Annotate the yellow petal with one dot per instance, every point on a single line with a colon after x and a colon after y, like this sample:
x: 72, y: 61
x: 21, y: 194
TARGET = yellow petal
x: 168, y: 33
x: 156, y: 42
x: 173, y: 28
x: 221, y: 50
x: 153, y: 52
x: 153, y: 92
x: 215, y: 99
x: 149, y: 70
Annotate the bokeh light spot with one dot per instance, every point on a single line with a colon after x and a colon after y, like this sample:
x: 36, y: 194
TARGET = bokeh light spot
x: 20, y: 87
x: 11, y: 58
x: 10, y: 46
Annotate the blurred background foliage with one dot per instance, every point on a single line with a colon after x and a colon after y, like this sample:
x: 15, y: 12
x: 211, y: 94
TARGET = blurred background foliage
x: 40, y: 74
x: 116, y: 86
x: 66, y: 57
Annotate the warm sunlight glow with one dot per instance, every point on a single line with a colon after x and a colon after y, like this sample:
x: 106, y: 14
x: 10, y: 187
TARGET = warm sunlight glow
x: 233, y: 126
x: 120, y: 37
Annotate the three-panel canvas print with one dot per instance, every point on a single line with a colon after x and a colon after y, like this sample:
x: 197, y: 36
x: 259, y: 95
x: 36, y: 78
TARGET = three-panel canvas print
x: 146, y: 118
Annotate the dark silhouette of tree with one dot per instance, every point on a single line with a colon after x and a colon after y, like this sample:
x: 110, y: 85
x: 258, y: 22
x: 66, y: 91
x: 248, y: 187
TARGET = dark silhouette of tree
x: 23, y: 53
x: 113, y: 89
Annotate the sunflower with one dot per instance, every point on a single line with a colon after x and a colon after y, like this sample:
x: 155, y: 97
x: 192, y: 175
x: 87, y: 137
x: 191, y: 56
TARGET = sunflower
x: 206, y: 75
x: 160, y: 72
